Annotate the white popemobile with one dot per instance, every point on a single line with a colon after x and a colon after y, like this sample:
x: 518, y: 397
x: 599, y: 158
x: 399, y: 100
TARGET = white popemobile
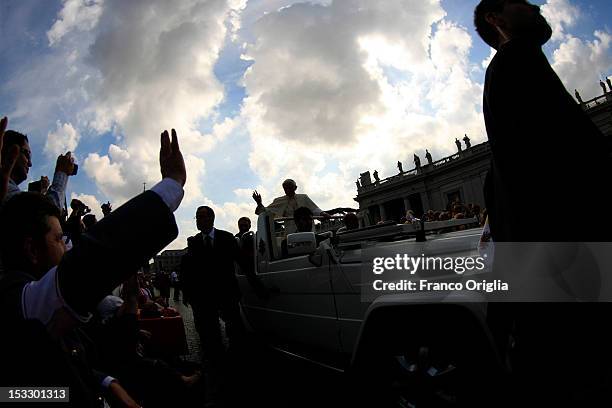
x: 322, y: 304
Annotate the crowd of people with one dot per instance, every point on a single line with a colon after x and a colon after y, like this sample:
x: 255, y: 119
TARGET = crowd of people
x: 61, y: 324
x: 454, y: 211
x: 74, y: 291
x: 97, y: 337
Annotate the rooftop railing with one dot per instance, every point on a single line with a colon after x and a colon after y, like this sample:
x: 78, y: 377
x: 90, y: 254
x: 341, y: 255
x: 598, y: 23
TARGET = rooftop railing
x: 436, y: 164
x: 597, y: 101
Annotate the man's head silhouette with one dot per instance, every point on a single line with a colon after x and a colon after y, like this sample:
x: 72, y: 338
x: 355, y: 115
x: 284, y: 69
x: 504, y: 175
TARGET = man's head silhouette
x: 244, y: 225
x: 205, y: 219
x: 31, y: 239
x: 499, y: 21
x: 289, y: 187
x: 24, y: 160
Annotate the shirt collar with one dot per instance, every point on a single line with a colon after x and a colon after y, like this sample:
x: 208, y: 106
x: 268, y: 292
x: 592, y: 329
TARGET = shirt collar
x: 12, y: 183
x: 211, y: 234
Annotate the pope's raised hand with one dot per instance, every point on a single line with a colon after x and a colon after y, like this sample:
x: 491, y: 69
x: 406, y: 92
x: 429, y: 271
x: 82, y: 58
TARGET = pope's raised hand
x: 257, y: 197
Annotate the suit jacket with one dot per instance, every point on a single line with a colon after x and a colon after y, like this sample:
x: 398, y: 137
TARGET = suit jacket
x: 548, y: 158
x: 209, y: 273
x: 114, y: 248
x: 549, y: 162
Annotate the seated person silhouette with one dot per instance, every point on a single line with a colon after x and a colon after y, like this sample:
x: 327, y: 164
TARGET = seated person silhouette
x: 302, y: 217
x: 351, y: 222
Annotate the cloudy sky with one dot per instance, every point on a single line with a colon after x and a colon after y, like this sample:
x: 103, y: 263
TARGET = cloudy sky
x: 259, y: 90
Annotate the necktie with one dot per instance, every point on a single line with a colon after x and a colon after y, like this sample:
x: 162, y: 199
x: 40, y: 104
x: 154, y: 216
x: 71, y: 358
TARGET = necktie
x: 208, y: 242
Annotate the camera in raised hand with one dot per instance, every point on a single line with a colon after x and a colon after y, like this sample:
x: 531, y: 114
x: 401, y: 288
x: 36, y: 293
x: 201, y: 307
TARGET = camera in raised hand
x: 65, y: 164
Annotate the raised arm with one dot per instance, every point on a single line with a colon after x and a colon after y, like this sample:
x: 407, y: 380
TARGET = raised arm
x: 6, y: 166
x: 114, y: 249
x: 260, y: 208
x: 64, y: 168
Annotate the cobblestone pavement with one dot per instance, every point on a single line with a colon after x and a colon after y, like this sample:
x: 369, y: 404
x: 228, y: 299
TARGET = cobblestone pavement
x: 193, y: 340
x: 262, y: 377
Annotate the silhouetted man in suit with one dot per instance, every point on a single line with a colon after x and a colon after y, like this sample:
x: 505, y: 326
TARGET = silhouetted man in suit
x: 536, y: 130
x: 210, y: 285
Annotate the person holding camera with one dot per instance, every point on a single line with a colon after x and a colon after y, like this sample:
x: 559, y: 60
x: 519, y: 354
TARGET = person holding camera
x: 64, y: 168
x: 74, y: 226
x: 107, y: 208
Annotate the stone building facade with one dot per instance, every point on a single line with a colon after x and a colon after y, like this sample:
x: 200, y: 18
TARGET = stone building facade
x: 600, y: 111
x: 431, y: 186
x: 461, y: 176
x: 168, y: 261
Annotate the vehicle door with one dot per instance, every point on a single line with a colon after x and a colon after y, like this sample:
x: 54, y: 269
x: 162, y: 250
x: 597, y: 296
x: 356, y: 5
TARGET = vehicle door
x: 299, y: 307
x: 349, y: 279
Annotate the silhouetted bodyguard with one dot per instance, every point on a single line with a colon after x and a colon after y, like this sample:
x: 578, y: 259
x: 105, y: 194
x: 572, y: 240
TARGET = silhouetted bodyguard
x: 533, y: 124
x: 244, y: 226
x: 210, y: 285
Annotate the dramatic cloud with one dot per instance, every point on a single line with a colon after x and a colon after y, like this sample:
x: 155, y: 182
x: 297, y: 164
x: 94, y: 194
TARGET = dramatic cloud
x: 63, y: 139
x: 77, y: 15
x: 351, y: 86
x: 582, y: 63
x: 561, y: 15
x: 146, y: 67
x: 45, y: 89
x: 333, y: 88
x: 309, y: 81
x: 107, y: 174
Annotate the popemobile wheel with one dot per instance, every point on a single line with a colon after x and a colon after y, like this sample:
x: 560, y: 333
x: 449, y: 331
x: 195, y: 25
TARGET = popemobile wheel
x: 435, y: 375
x: 424, y: 378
